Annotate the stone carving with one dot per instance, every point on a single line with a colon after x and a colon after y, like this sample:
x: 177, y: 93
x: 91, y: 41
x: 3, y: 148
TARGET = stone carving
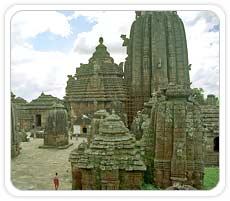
x: 179, y: 151
x: 126, y: 41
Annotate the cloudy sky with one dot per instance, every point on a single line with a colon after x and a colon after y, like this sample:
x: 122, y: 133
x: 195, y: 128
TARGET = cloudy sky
x: 46, y: 46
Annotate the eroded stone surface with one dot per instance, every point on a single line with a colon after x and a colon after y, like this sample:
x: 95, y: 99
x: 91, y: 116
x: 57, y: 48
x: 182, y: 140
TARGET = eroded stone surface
x: 157, y: 63
x: 95, y: 86
x: 110, y: 162
x: 210, y: 114
x: 157, y: 56
x: 33, y: 115
x: 56, y: 130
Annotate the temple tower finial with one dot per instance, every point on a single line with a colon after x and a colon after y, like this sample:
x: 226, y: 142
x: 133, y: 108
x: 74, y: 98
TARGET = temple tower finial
x: 101, y: 40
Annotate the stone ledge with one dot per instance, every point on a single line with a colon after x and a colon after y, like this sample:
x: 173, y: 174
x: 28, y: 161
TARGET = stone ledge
x: 55, y: 147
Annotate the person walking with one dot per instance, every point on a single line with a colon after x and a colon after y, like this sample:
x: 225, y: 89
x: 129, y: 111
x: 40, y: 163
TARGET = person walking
x: 56, y: 181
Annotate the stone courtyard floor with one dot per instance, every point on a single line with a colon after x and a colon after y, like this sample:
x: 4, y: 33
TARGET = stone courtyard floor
x: 35, y: 168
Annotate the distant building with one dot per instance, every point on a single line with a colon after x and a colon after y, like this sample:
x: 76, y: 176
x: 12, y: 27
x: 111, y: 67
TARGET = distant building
x: 82, y: 125
x: 210, y: 113
x: 33, y: 115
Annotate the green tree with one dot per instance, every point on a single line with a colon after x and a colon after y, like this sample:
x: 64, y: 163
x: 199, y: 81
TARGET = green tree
x: 198, y: 94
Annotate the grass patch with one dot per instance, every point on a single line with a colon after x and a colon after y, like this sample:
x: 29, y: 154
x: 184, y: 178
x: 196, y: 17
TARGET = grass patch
x: 211, y: 177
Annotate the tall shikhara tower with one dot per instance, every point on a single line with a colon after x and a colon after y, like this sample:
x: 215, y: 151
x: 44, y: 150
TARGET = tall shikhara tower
x: 157, y: 68
x: 157, y: 56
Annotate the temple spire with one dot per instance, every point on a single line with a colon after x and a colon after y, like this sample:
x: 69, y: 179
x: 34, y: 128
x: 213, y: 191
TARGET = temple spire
x: 101, y: 40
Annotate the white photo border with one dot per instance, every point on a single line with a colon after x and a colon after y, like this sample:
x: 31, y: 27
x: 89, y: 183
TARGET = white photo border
x: 222, y: 165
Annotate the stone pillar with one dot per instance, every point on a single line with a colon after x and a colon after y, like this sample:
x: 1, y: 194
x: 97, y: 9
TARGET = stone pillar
x: 56, y: 130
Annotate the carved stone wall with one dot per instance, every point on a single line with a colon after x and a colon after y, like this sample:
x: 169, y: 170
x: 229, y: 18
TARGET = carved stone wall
x: 56, y: 130
x: 97, y: 85
x: 177, y: 142
x: 157, y: 56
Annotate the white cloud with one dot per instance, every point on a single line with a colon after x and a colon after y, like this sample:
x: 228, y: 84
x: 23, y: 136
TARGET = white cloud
x: 203, y: 49
x: 35, y: 71
x: 109, y: 25
x: 26, y: 24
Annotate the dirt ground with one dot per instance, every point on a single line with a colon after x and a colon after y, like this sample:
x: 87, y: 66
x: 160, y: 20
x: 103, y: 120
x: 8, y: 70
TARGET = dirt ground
x: 35, y: 168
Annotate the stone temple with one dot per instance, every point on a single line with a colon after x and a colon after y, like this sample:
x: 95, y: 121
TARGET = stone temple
x: 95, y: 86
x: 33, y: 115
x: 111, y: 162
x: 145, y: 124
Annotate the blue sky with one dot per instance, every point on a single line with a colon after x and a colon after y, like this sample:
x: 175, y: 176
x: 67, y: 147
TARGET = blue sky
x: 48, y: 41
x: 46, y: 46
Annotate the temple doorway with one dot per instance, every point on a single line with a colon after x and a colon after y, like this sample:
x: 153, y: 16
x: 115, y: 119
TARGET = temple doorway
x: 84, y: 130
x: 38, y: 120
x: 216, y: 144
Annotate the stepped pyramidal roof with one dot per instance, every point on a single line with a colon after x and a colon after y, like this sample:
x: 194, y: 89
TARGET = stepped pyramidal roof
x: 43, y: 102
x: 114, y: 148
x: 99, y: 80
